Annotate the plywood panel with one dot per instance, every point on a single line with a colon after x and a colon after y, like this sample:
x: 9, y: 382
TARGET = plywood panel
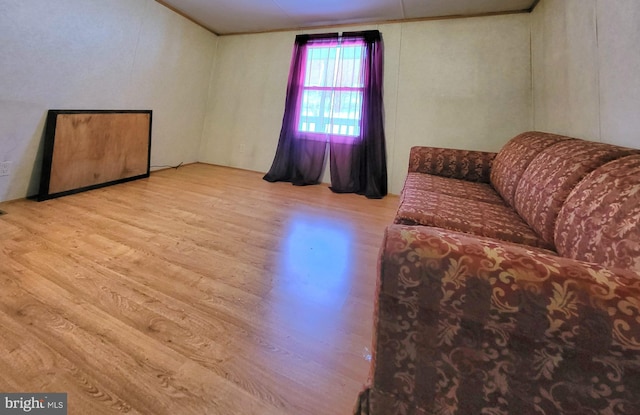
x: 84, y: 150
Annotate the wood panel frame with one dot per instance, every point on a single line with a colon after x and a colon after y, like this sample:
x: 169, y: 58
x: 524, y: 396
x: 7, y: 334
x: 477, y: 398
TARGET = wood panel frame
x: 89, y: 149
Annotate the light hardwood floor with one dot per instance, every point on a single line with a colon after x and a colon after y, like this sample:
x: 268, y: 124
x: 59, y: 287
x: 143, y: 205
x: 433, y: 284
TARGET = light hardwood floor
x: 201, y: 290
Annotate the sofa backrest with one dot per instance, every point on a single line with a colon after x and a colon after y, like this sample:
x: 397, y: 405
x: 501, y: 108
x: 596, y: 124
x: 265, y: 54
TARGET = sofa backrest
x: 513, y: 159
x: 600, y: 219
x: 553, y: 174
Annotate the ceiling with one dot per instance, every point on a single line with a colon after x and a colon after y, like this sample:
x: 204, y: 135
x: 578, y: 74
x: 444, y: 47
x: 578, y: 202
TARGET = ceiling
x: 225, y: 17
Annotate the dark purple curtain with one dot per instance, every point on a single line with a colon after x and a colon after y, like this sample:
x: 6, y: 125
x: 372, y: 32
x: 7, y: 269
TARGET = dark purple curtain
x: 357, y: 164
x: 361, y: 166
x: 297, y: 160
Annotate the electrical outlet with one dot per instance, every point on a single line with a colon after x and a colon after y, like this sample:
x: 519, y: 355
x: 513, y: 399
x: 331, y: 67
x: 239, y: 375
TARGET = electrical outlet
x: 5, y: 168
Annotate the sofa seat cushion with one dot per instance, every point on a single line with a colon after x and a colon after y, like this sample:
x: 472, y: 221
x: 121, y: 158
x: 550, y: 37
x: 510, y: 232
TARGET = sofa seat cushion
x: 514, y: 158
x: 482, y: 192
x: 599, y: 220
x: 422, y: 207
x: 553, y: 174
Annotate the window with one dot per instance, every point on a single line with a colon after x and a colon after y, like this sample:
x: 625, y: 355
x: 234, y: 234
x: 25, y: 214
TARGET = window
x: 333, y: 88
x: 334, y: 108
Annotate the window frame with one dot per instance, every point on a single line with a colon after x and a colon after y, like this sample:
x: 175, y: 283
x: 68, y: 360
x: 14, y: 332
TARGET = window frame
x: 338, y: 44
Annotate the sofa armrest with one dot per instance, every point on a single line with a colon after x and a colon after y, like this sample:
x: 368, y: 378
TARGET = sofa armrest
x: 473, y: 325
x: 468, y: 165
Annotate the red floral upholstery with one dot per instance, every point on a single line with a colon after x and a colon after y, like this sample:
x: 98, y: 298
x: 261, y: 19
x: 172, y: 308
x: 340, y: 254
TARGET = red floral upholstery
x: 421, y: 207
x: 468, y: 325
x: 474, y: 317
x: 514, y: 158
x: 473, y: 166
x: 600, y: 221
x: 552, y: 174
x: 482, y: 192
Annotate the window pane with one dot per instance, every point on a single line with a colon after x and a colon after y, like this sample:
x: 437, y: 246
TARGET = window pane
x: 321, y: 62
x: 315, y: 111
x: 347, y: 106
x: 350, y: 74
x: 332, y: 93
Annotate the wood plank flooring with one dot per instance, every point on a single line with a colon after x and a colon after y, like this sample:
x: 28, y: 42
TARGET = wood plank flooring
x: 200, y: 290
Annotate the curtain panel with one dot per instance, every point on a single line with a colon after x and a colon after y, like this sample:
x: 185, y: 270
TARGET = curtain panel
x: 357, y: 153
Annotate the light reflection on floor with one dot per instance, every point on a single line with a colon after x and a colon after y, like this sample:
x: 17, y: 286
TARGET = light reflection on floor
x: 314, y: 274
x: 316, y: 259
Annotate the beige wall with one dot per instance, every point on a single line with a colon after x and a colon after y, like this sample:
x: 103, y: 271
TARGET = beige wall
x: 570, y: 67
x: 463, y: 83
x: 586, y: 69
x: 116, y: 54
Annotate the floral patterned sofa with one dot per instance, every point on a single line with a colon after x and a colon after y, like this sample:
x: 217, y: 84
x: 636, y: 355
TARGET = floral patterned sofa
x: 510, y: 283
